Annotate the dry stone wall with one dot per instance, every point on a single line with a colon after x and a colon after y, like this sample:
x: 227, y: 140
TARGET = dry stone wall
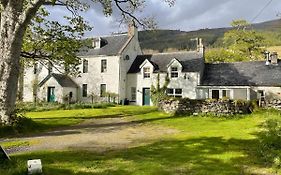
x: 217, y: 107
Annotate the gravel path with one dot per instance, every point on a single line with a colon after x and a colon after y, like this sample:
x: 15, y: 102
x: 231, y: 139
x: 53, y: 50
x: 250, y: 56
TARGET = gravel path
x: 96, y: 135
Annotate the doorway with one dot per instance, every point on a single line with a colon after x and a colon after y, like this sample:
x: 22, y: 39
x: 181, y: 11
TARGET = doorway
x: 51, y: 94
x: 146, y: 97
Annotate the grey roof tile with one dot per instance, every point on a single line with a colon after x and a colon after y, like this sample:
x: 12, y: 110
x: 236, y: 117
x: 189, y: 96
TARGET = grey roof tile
x: 191, y: 61
x: 254, y: 73
x: 63, y: 80
x: 111, y: 46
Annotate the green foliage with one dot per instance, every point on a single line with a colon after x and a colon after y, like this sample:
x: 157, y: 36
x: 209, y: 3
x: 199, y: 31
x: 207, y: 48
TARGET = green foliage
x: 158, y: 93
x: 223, y: 55
x: 270, y: 143
x: 244, y: 41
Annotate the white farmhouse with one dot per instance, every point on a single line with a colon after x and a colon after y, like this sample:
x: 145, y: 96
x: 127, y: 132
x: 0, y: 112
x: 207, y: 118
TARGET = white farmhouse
x: 115, y: 64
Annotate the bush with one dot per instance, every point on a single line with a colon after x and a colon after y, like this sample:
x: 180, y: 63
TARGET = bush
x: 270, y: 143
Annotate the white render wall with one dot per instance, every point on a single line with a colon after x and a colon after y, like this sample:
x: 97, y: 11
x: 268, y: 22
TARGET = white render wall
x: 94, y: 78
x: 132, y: 50
x: 187, y: 81
x: 30, y: 78
x: 43, y: 91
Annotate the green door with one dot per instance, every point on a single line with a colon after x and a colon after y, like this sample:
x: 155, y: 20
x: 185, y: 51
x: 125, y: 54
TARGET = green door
x: 51, y: 94
x: 146, y: 96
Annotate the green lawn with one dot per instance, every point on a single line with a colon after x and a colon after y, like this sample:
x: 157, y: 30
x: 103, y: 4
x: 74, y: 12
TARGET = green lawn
x: 204, y: 145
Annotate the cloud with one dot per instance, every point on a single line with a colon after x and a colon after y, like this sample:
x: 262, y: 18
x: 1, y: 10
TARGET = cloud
x: 185, y: 15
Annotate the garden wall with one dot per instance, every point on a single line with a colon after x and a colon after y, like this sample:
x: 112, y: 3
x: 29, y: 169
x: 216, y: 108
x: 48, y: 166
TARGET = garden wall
x: 217, y: 107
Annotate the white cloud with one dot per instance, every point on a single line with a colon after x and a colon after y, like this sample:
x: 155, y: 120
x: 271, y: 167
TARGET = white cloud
x: 185, y: 15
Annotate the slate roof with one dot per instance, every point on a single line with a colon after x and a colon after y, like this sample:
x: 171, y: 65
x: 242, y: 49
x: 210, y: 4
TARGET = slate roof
x: 111, y: 45
x: 254, y: 73
x: 191, y: 61
x: 63, y: 80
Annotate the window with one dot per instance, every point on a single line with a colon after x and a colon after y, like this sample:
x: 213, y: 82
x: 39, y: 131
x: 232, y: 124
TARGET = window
x: 103, y: 65
x: 85, y: 66
x: 133, y: 93
x: 146, y: 72
x: 35, y: 68
x: 226, y: 93
x: 215, y: 94
x: 102, y: 90
x: 127, y: 57
x: 84, y: 90
x: 178, y: 92
x: 174, y: 72
x: 174, y: 92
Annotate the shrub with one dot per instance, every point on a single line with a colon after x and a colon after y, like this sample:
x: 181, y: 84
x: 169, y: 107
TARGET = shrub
x: 270, y: 143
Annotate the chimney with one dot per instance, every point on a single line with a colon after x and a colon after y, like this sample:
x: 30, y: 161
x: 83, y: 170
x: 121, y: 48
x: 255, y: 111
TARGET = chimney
x: 267, y: 58
x: 200, y: 46
x: 274, y: 58
x: 132, y: 29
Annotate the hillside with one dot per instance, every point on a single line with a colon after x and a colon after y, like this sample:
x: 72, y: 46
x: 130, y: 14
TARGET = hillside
x: 161, y: 40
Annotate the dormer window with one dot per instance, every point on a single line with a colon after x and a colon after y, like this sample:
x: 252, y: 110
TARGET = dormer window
x: 174, y: 72
x: 146, y: 72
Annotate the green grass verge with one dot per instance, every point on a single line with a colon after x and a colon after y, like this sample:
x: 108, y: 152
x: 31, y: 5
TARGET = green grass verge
x: 204, y: 145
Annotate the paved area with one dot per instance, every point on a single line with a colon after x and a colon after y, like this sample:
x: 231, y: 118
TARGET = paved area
x: 99, y: 135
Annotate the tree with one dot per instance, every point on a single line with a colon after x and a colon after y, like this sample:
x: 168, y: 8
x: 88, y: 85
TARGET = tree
x: 15, y: 20
x: 158, y: 93
x: 244, y: 41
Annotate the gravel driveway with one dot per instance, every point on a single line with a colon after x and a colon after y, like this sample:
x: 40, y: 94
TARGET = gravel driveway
x: 96, y: 135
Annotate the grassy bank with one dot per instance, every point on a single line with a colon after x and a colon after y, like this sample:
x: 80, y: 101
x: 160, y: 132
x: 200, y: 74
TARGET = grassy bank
x: 202, y: 145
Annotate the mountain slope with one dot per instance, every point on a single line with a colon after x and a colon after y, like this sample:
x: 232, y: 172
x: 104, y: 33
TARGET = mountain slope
x: 161, y: 40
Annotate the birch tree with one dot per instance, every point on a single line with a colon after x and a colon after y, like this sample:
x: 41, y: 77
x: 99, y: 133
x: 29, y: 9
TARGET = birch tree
x: 15, y: 19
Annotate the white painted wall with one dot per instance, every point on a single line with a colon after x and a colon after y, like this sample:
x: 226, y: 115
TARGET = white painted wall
x: 94, y: 78
x: 43, y: 91
x: 187, y: 81
x: 30, y: 78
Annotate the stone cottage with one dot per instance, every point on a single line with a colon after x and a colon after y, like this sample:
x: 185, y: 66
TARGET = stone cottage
x: 115, y: 64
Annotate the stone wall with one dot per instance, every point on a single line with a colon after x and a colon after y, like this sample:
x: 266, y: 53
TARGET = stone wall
x: 217, y: 107
x: 276, y: 104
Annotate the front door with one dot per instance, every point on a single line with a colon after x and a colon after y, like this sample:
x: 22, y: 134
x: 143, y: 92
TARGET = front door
x: 146, y: 96
x: 51, y: 94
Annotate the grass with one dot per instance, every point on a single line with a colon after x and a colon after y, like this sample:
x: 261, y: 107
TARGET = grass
x: 49, y: 120
x: 204, y: 145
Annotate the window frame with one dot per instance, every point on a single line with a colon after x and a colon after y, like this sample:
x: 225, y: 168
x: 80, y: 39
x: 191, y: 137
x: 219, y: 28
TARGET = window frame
x: 84, y: 90
x: 174, y: 92
x: 174, y: 73
x: 133, y: 94
x: 103, y: 65
x: 102, y: 90
x: 85, y: 65
x: 146, y: 72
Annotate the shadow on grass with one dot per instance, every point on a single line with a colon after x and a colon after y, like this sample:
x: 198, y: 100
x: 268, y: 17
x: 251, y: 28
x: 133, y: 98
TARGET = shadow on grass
x: 204, y: 155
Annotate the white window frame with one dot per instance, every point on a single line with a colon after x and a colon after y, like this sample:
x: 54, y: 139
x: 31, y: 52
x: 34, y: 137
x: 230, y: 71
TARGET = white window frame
x: 133, y: 94
x: 174, y: 72
x: 103, y: 66
x: 102, y: 94
x: 85, y: 66
x: 146, y: 72
x: 174, y: 94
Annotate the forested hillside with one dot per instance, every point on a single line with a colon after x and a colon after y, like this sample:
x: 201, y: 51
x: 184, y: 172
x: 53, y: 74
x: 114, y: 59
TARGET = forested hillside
x: 163, y: 40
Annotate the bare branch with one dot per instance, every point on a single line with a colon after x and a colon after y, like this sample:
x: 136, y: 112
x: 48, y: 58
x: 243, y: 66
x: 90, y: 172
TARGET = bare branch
x: 125, y: 12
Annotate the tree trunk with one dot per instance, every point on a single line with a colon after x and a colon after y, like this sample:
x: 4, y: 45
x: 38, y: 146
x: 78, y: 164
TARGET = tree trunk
x: 11, y: 37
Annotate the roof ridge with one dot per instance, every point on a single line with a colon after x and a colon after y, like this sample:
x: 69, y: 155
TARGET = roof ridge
x: 175, y: 52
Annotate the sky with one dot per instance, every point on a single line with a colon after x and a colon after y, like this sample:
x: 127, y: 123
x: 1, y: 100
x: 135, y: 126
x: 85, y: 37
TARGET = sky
x: 185, y: 15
